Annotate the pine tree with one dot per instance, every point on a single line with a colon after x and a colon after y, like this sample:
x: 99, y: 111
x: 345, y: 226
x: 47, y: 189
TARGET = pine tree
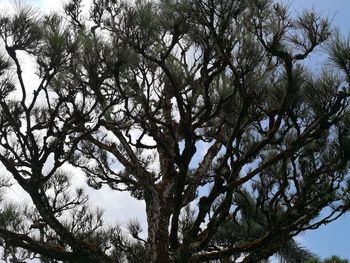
x: 132, y: 93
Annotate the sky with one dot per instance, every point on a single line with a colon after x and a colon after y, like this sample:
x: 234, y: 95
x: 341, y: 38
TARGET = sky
x: 332, y: 239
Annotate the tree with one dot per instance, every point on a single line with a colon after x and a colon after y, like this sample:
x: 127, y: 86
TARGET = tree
x: 133, y: 92
x: 250, y: 225
x: 332, y: 259
x: 335, y: 259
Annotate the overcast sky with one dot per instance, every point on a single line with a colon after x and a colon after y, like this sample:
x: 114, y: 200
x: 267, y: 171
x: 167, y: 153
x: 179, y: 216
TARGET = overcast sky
x: 327, y: 240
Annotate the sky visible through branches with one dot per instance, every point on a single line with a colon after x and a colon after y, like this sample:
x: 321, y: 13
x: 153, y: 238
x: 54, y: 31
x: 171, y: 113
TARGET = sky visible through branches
x: 327, y: 240
x: 333, y: 238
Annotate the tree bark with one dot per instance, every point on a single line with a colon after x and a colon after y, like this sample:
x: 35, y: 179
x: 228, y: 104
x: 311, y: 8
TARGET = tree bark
x: 158, y: 216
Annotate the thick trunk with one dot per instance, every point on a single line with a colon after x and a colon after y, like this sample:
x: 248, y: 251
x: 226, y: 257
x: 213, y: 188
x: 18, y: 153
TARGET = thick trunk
x: 158, y: 223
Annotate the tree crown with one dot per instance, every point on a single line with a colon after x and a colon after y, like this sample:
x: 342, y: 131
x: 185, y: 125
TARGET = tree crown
x: 132, y: 93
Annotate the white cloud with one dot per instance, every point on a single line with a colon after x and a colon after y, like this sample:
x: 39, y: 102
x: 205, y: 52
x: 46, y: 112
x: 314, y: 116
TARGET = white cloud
x: 119, y: 207
x: 45, y: 6
x: 48, y: 6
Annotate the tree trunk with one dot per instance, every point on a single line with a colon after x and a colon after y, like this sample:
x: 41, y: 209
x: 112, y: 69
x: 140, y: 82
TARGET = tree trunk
x: 158, y: 214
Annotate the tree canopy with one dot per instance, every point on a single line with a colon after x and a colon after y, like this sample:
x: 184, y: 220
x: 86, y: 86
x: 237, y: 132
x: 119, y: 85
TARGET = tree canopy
x: 205, y: 110
x: 332, y: 259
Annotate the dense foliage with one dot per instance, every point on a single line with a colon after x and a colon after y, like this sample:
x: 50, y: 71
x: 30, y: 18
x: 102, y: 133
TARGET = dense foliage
x: 332, y: 259
x: 205, y: 110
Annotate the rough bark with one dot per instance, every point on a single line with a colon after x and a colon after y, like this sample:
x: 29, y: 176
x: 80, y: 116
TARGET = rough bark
x: 158, y: 215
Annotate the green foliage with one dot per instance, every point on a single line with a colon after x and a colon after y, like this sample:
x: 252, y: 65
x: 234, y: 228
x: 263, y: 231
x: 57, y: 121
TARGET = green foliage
x: 339, y: 52
x: 252, y: 225
x: 335, y: 259
x: 332, y: 259
x: 203, y: 110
